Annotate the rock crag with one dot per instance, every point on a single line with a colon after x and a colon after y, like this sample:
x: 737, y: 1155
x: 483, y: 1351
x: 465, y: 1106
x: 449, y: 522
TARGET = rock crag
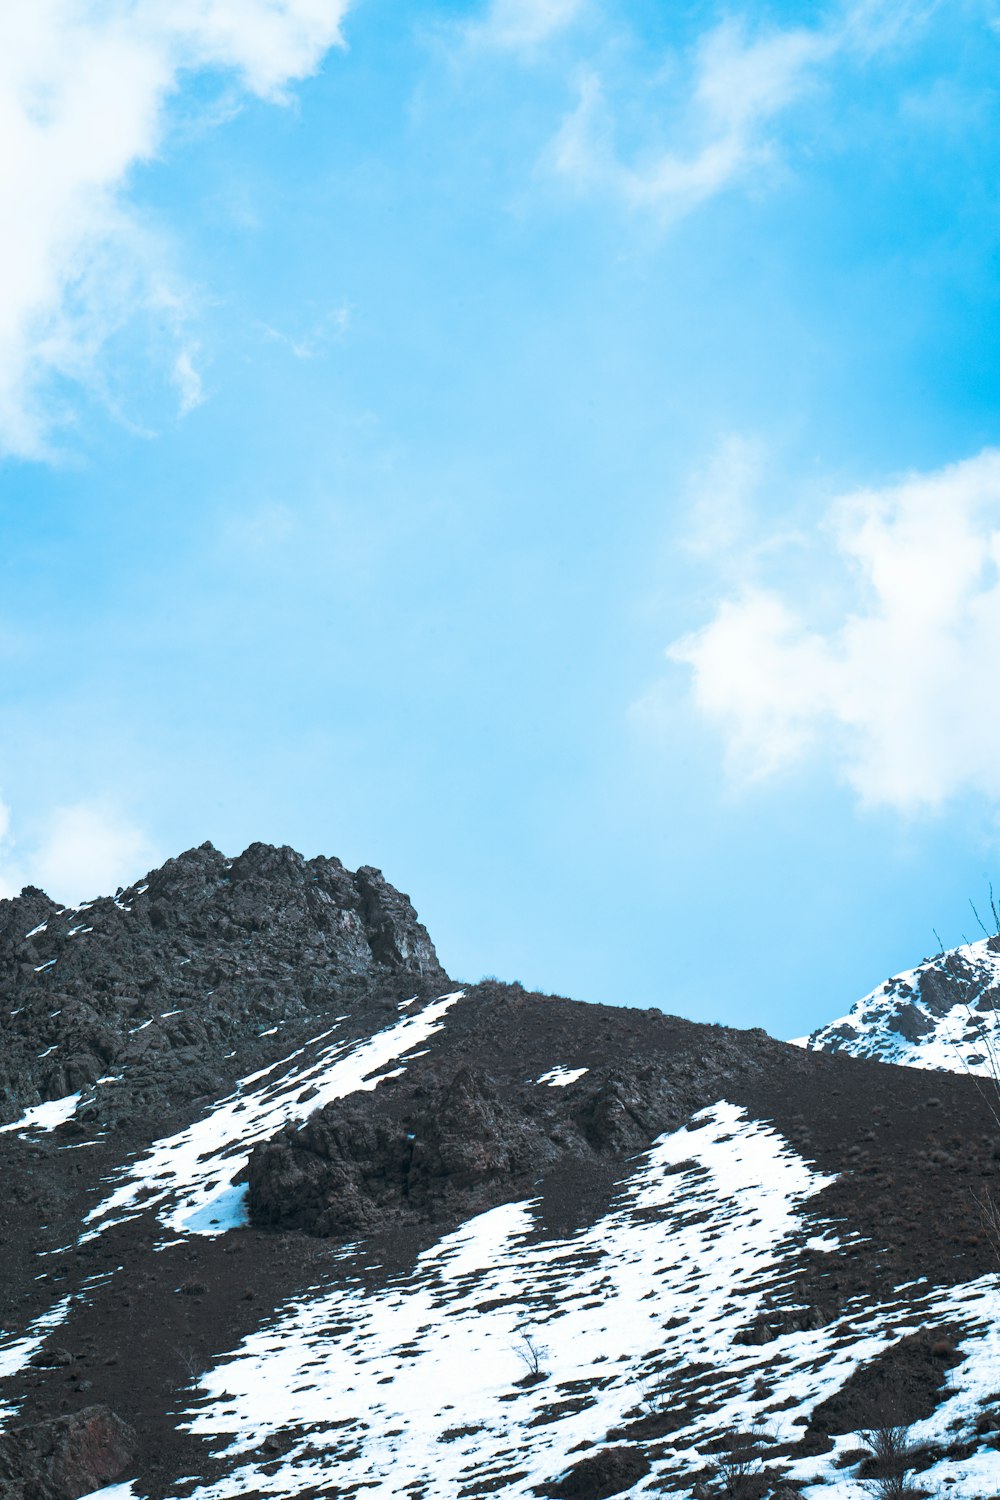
x: 162, y: 992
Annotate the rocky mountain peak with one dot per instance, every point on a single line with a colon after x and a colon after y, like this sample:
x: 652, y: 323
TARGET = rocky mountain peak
x: 205, y: 956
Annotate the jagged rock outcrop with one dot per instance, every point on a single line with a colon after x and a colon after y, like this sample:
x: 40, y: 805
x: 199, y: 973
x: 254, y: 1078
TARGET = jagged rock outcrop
x: 368, y: 1158
x: 168, y: 978
x: 431, y: 1147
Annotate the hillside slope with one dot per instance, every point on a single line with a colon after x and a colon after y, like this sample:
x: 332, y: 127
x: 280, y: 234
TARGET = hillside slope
x: 354, y: 1228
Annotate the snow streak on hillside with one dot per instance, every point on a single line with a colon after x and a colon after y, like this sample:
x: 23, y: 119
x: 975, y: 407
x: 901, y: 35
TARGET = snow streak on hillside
x: 189, y: 1177
x: 16, y: 1352
x: 941, y: 1015
x: 426, y: 1385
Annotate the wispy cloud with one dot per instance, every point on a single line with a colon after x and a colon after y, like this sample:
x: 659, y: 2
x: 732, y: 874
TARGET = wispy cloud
x: 187, y: 379
x: 899, y: 689
x: 83, y: 850
x: 520, y: 25
x: 84, y: 95
x: 712, y: 119
x: 311, y: 342
x: 721, y: 494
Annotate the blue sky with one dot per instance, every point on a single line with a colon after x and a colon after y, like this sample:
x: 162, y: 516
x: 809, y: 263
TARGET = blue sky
x: 544, y: 448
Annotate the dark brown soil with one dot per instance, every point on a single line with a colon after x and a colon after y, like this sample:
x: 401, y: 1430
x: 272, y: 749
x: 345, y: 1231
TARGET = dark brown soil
x: 902, y: 1386
x: 608, y: 1472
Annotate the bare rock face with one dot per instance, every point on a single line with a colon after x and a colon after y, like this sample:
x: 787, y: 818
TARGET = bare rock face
x: 429, y: 1146
x: 66, y: 1457
x: 166, y: 980
x: 355, y: 1163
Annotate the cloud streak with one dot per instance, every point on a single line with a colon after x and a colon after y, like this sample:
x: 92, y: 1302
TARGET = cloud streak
x: 85, y: 89
x: 740, y: 85
x: 520, y: 25
x: 899, y: 691
x: 715, y: 120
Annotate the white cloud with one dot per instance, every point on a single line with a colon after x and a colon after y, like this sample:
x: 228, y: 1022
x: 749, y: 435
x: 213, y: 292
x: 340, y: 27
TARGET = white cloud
x: 270, y: 42
x: 740, y: 83
x: 900, y: 689
x: 84, y: 93
x: 187, y: 379
x: 520, y: 25
x: 717, y: 126
x: 84, y: 850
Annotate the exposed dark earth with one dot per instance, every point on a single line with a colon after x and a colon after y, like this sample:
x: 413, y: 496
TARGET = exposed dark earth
x: 479, y: 1240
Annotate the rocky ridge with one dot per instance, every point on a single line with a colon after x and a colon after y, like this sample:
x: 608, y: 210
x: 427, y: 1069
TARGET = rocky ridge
x: 944, y: 1015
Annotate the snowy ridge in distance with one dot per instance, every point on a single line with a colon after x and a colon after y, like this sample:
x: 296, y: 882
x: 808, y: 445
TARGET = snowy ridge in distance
x: 941, y: 1015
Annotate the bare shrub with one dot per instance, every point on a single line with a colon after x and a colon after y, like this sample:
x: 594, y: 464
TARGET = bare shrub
x: 986, y: 1202
x: 891, y: 1458
x: 740, y: 1460
x: 532, y: 1355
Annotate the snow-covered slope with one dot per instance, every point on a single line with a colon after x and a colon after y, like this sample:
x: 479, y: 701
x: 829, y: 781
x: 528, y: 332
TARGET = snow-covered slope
x: 505, y: 1353
x: 942, y: 1015
x: 326, y: 1223
x: 193, y: 1178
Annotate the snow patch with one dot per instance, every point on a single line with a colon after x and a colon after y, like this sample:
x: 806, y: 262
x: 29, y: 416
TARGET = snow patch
x: 46, y: 1116
x: 558, y: 1077
x: 422, y: 1385
x: 16, y: 1352
x: 189, y: 1177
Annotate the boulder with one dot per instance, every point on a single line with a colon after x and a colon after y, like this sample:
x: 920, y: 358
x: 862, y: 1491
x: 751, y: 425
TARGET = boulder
x: 66, y: 1457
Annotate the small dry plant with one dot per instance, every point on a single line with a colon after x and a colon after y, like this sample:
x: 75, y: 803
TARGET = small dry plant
x: 891, y: 1459
x: 532, y: 1355
x: 740, y: 1461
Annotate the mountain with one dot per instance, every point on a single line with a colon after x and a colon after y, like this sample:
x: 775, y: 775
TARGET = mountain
x: 942, y: 1015
x: 289, y: 1212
